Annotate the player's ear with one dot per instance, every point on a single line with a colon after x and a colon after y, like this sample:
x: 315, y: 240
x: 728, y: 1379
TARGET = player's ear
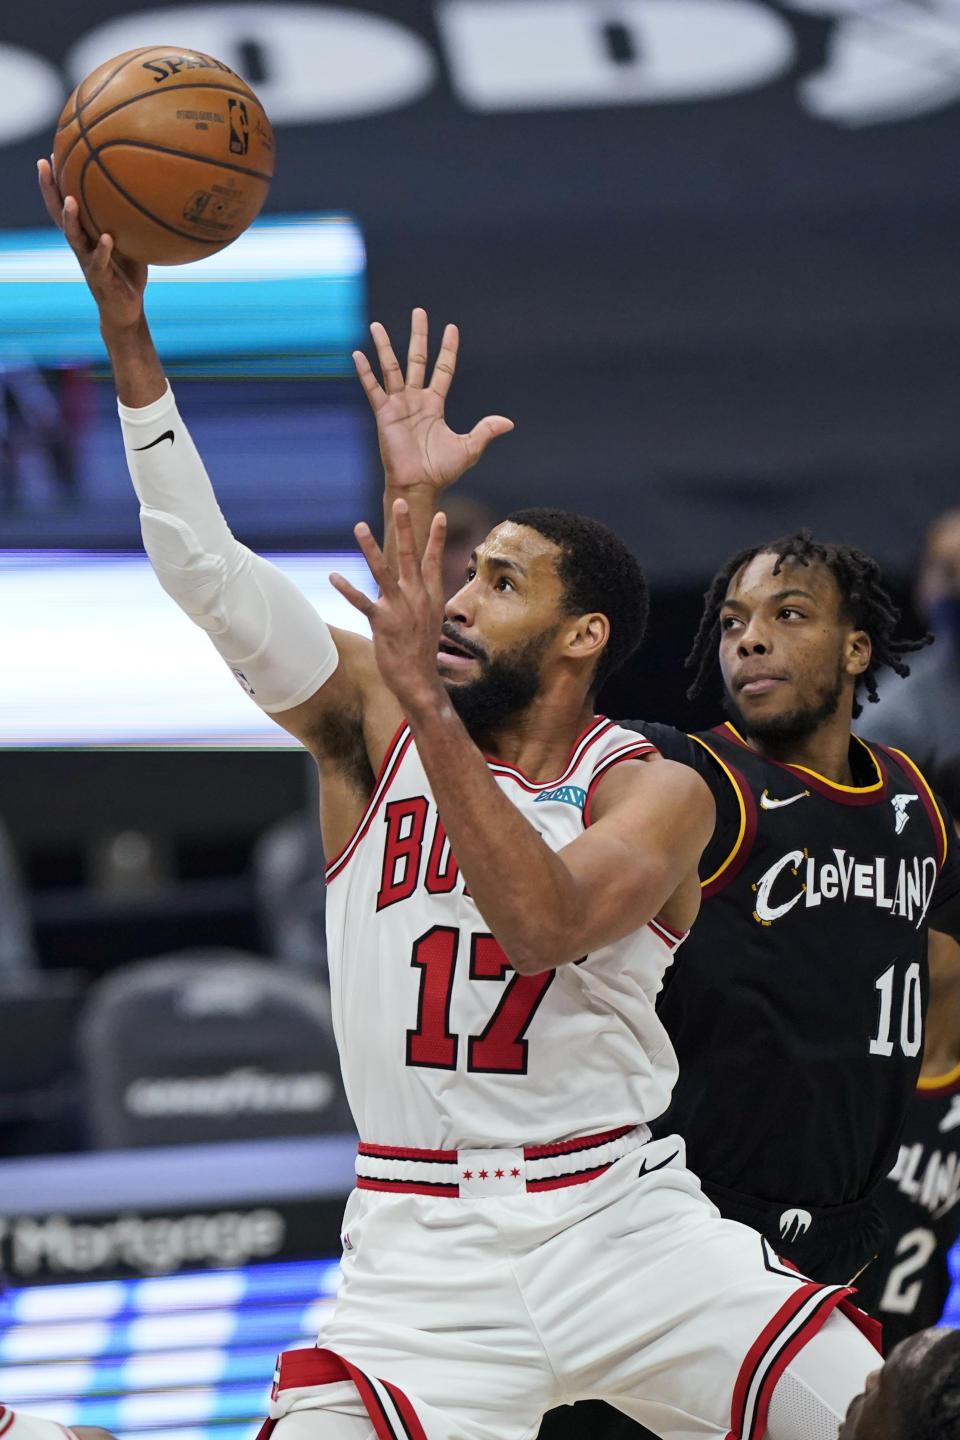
x: 857, y: 652
x: 587, y: 636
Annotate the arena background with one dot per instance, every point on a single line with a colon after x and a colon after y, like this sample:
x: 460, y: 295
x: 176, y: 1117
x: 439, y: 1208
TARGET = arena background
x: 702, y: 251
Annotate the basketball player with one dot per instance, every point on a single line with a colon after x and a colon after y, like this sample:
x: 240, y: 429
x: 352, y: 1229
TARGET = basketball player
x: 799, y: 1004
x: 915, y: 1396
x: 796, y: 1007
x: 796, y: 1069
x: 14, y: 1425
x: 509, y: 878
x: 920, y: 1199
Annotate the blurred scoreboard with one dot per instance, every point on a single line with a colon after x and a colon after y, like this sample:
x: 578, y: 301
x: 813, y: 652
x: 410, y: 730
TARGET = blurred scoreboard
x: 98, y: 628
x: 287, y: 298
x: 174, y: 1357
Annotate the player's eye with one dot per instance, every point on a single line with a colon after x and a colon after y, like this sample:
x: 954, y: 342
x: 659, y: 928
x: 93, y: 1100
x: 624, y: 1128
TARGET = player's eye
x: 502, y: 583
x: 791, y: 610
x: 471, y: 572
x: 727, y: 622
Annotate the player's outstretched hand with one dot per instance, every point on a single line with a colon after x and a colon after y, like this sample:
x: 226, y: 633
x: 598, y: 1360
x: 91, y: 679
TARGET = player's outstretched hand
x: 407, y: 616
x: 417, y: 446
x: 116, y: 283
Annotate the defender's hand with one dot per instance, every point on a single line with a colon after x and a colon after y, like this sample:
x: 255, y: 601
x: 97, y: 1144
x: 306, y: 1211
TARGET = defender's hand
x: 116, y: 283
x: 417, y: 446
x: 407, y: 616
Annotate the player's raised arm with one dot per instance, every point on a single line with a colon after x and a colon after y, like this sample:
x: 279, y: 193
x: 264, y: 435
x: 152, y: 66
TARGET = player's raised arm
x: 288, y: 660
x: 422, y: 456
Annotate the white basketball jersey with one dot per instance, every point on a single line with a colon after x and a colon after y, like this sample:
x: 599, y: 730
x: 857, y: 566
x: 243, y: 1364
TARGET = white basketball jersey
x: 443, y: 1044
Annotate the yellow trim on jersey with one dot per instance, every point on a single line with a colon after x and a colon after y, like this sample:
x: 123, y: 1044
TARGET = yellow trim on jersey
x: 743, y: 813
x: 824, y: 780
x: 918, y: 774
x: 936, y: 1082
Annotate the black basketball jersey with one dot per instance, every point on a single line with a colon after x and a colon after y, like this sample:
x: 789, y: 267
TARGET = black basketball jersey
x: 920, y: 1200
x: 796, y: 1005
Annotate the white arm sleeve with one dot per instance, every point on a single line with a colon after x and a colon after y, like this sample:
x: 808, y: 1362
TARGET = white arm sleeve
x: 274, y: 641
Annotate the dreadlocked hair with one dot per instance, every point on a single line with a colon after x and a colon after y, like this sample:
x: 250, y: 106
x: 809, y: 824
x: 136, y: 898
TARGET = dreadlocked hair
x: 865, y: 602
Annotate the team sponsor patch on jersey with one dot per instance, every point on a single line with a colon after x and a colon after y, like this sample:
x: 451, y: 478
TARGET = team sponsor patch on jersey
x: 900, y: 803
x: 566, y: 795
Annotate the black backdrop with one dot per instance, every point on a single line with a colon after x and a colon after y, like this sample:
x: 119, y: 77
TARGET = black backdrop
x: 714, y: 316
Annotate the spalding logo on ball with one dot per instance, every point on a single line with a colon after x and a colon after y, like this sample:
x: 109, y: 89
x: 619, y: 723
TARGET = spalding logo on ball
x: 168, y: 151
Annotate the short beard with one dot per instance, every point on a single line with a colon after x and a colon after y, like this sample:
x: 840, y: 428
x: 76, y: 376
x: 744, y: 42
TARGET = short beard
x: 781, y: 732
x: 505, y: 687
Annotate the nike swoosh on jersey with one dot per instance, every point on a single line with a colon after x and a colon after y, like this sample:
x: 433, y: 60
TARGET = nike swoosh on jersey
x: 167, y: 435
x: 767, y: 803
x: 951, y: 1120
x: 646, y: 1169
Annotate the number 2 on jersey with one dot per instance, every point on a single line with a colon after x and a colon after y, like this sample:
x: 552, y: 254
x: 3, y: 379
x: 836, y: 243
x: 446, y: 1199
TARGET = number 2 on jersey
x: 913, y: 1252
x: 501, y: 1048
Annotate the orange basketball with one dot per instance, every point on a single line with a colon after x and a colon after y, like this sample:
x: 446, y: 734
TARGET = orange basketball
x: 167, y: 150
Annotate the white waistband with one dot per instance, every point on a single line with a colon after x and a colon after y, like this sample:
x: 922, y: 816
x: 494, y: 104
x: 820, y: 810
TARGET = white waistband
x: 488, y: 1172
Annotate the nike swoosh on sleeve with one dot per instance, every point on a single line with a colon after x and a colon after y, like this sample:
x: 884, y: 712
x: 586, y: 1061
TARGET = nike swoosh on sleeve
x: 167, y: 435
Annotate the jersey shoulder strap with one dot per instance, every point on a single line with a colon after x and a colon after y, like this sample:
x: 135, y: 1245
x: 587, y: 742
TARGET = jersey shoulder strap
x: 725, y: 857
x: 901, y: 764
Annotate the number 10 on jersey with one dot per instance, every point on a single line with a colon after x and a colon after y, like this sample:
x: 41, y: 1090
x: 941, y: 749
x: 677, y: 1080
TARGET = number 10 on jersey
x: 911, y: 1012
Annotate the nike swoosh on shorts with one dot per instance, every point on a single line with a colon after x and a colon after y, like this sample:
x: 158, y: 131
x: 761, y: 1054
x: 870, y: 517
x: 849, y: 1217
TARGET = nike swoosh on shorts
x: 646, y: 1169
x: 167, y: 435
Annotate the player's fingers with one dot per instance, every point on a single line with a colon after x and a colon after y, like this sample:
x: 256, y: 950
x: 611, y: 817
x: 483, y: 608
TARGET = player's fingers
x: 371, y: 385
x: 357, y: 599
x: 52, y: 198
x: 389, y: 364
x: 374, y: 556
x: 408, y: 563
x: 485, y: 430
x: 446, y: 365
x: 100, y: 255
x: 417, y: 349
x: 432, y: 563
x: 80, y: 242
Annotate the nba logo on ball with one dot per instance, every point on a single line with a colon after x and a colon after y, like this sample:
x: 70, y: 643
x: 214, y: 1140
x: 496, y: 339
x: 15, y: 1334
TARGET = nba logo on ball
x: 239, y: 127
x: 167, y: 150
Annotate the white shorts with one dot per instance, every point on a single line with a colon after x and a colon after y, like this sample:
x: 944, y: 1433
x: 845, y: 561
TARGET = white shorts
x: 467, y: 1319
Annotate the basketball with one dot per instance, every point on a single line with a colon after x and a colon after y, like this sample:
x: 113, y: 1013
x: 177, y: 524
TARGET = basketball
x: 168, y: 151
